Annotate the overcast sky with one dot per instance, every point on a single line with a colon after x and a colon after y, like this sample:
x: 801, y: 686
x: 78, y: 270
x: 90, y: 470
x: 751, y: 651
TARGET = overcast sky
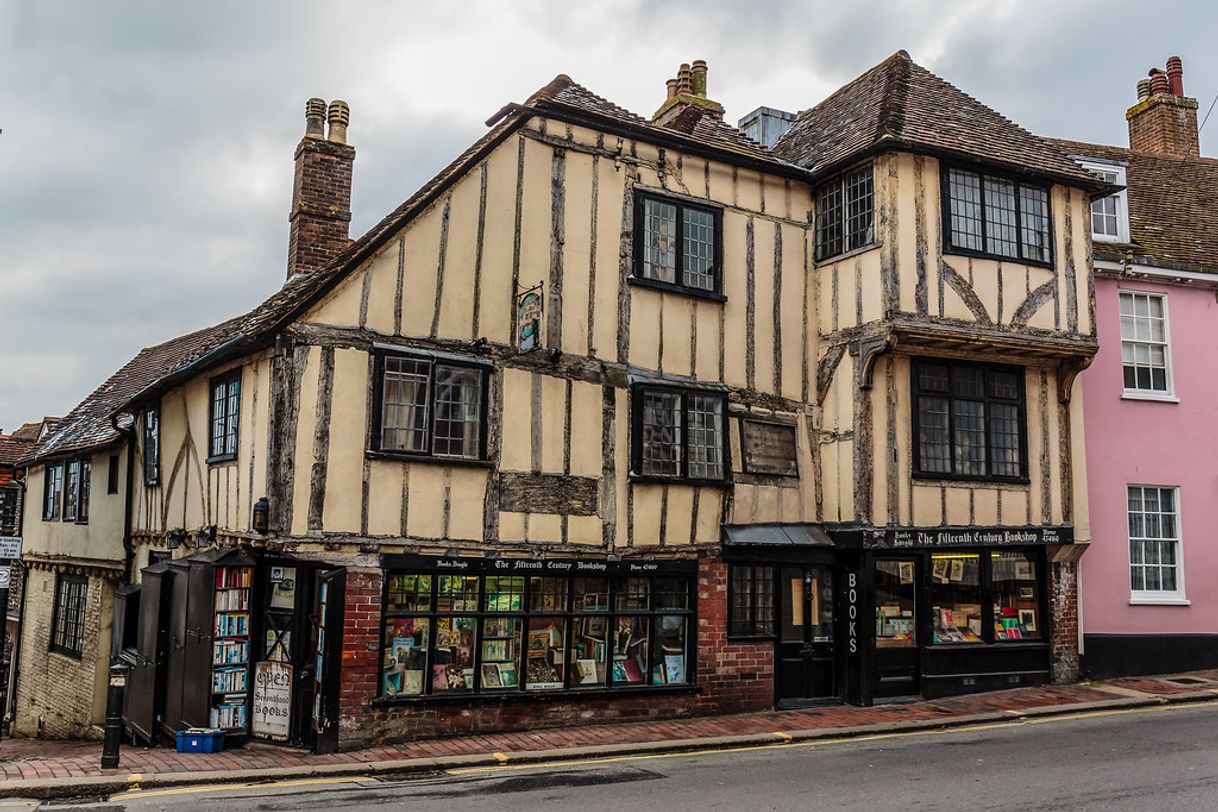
x: 146, y: 153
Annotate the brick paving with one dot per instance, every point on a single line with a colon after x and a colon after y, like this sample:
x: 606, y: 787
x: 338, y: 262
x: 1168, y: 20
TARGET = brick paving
x: 32, y: 758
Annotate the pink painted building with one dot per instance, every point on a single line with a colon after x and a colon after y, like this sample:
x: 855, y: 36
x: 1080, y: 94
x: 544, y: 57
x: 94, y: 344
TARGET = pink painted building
x: 1149, y: 583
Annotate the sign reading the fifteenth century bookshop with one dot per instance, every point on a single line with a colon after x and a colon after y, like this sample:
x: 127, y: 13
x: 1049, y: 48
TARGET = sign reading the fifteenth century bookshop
x: 973, y: 537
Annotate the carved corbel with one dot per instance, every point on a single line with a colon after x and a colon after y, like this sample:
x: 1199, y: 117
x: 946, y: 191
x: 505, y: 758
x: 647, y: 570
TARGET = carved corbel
x: 869, y: 351
x: 1066, y: 374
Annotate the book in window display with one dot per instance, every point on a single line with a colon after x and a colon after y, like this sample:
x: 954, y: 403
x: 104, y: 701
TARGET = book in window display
x: 230, y: 648
x: 544, y: 658
x: 454, y: 666
x: 405, y: 655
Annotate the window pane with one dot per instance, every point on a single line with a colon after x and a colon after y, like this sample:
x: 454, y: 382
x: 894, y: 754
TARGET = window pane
x: 933, y: 378
x: 964, y: 190
x: 405, y: 656
x: 1153, y: 539
x: 1000, y: 217
x: 1016, y: 604
x: 1004, y: 440
x: 968, y: 419
x: 458, y: 415
x: 547, y: 594
x: 630, y: 650
x: 500, y: 653
x: 955, y: 597
x: 968, y: 382
x: 544, y: 663
x: 408, y: 593
x: 588, y: 652
x: 632, y: 593
x: 661, y: 433
x: 895, y: 604
x: 740, y: 613
x: 934, y: 451
x: 699, y: 249
x: 860, y: 229
x: 705, y: 436
x: 590, y: 594
x: 71, y: 490
x: 404, y: 399
x: 230, y: 423
x: 504, y: 593
x: 1034, y: 210
x: 457, y: 593
x: 829, y: 229
x: 454, y: 668
x: 763, y: 584
x: 670, y: 593
x: 659, y: 241
x: 669, y: 668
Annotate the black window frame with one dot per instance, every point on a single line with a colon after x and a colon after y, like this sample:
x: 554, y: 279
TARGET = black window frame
x: 637, y: 391
x: 68, y: 637
x: 10, y: 510
x: 611, y: 612
x: 949, y: 246
x: 376, y: 440
x: 112, y: 474
x: 1022, y: 404
x: 72, y: 487
x: 152, y: 444
x: 752, y: 628
x: 228, y: 379
x: 636, y: 274
x: 52, y: 513
x: 985, y: 593
x: 83, y: 489
x: 840, y: 183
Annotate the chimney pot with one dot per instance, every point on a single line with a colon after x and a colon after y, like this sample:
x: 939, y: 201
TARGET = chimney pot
x: 1143, y: 89
x: 698, y: 77
x: 672, y: 88
x: 315, y: 118
x: 1158, y: 82
x: 1175, y: 75
x: 685, y: 80
x: 339, y: 117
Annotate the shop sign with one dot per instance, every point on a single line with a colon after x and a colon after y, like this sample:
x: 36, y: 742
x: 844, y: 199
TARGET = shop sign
x: 10, y: 547
x: 973, y: 537
x: 272, y: 700
x: 768, y: 448
x: 852, y: 611
x: 557, y: 566
x: 528, y: 319
x: 6, y: 576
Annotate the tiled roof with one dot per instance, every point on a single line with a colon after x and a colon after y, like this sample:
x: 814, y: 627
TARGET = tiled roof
x: 899, y: 104
x: 13, y: 449
x: 1173, y: 217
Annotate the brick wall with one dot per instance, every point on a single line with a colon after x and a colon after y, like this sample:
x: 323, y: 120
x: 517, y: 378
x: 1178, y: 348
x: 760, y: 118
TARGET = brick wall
x: 321, y: 204
x: 1063, y: 606
x: 59, y: 696
x: 1164, y: 125
x: 732, y: 676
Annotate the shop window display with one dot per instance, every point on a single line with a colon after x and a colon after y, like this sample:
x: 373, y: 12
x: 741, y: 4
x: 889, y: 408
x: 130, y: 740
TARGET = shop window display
x: 469, y: 633
x: 895, y: 604
x: 955, y: 597
x: 1016, y: 604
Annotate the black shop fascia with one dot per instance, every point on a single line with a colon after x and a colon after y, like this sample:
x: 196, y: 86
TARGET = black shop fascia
x: 859, y: 614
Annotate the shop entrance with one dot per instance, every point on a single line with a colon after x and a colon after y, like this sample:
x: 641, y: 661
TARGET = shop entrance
x: 896, y: 627
x: 806, y: 661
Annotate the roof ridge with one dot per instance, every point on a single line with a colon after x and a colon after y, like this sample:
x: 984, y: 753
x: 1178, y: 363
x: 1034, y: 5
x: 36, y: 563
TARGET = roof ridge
x: 1202, y: 159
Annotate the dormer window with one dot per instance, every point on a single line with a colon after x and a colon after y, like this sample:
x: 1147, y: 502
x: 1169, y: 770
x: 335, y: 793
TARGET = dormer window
x: 993, y: 216
x: 1109, y: 215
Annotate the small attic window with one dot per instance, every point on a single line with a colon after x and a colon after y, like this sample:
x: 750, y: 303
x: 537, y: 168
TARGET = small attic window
x: 1109, y: 215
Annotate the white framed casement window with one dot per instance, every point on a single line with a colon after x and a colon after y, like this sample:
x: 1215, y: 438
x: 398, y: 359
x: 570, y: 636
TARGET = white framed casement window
x: 1109, y: 215
x: 1145, y: 346
x: 1156, y: 571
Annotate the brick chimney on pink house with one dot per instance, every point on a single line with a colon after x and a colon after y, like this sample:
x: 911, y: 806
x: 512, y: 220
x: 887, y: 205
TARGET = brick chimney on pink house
x: 321, y: 190
x: 1164, y: 120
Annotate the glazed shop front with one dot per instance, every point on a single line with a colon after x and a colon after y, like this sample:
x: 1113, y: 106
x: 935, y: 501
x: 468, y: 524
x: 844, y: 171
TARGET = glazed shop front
x: 857, y: 615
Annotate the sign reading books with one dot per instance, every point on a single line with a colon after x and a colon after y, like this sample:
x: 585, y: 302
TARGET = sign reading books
x: 272, y: 700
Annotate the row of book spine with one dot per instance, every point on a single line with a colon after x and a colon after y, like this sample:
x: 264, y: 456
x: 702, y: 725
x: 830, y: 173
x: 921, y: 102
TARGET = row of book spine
x: 228, y: 680
x: 228, y: 715
x: 234, y: 577
x: 232, y: 600
x: 232, y: 624
x: 230, y: 652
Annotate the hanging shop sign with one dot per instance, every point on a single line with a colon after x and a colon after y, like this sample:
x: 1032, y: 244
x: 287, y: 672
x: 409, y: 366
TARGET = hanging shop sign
x: 272, y: 700
x: 537, y: 566
x: 528, y: 318
x: 938, y: 537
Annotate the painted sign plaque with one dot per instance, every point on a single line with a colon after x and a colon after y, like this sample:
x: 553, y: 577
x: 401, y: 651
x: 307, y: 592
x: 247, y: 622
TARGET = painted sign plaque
x: 768, y: 448
x: 528, y: 319
x: 10, y: 547
x: 272, y: 700
x: 974, y: 537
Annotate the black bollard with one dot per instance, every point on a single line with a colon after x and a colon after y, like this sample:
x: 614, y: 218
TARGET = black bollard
x: 114, y: 714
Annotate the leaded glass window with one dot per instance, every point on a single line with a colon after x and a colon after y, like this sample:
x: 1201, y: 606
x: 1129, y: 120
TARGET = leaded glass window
x: 679, y: 433
x: 677, y: 245
x: 993, y: 215
x: 845, y: 212
x: 225, y: 409
x: 969, y: 420
x: 430, y: 407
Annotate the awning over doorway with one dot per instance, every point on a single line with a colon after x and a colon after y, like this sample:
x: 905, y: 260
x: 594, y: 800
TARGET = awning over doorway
x: 776, y: 535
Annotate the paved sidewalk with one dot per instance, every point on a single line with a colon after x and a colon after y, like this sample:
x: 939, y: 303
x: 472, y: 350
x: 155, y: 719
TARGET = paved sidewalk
x: 37, y: 768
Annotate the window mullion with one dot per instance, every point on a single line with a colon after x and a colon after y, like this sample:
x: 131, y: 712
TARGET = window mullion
x: 985, y: 223
x: 429, y: 425
x: 679, y: 248
x: 683, y: 435
x: 1019, y: 220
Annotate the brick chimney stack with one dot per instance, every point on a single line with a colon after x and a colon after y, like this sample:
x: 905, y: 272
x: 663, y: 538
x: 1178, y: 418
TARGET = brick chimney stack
x: 321, y: 190
x: 1164, y: 120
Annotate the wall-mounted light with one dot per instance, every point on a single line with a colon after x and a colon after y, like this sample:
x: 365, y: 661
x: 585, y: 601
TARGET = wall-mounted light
x: 205, y: 535
x: 174, y: 539
x: 262, y: 516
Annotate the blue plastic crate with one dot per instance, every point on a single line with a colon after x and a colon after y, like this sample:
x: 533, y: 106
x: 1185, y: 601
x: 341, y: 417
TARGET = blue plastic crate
x: 200, y: 740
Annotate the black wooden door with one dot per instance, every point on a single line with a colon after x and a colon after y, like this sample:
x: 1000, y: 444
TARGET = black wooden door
x: 327, y: 638
x: 145, y: 695
x: 176, y: 580
x: 806, y: 662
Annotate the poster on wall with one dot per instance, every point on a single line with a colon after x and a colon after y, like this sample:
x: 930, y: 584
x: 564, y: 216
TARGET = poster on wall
x: 272, y: 700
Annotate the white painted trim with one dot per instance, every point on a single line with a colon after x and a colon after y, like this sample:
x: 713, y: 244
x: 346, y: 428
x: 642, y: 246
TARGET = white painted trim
x: 1122, y: 200
x: 1158, y: 597
x: 1169, y: 275
x: 1130, y: 394
x: 1155, y: 599
x: 1148, y: 394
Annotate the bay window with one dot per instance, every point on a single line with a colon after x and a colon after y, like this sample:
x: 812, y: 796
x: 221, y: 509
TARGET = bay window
x: 995, y: 216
